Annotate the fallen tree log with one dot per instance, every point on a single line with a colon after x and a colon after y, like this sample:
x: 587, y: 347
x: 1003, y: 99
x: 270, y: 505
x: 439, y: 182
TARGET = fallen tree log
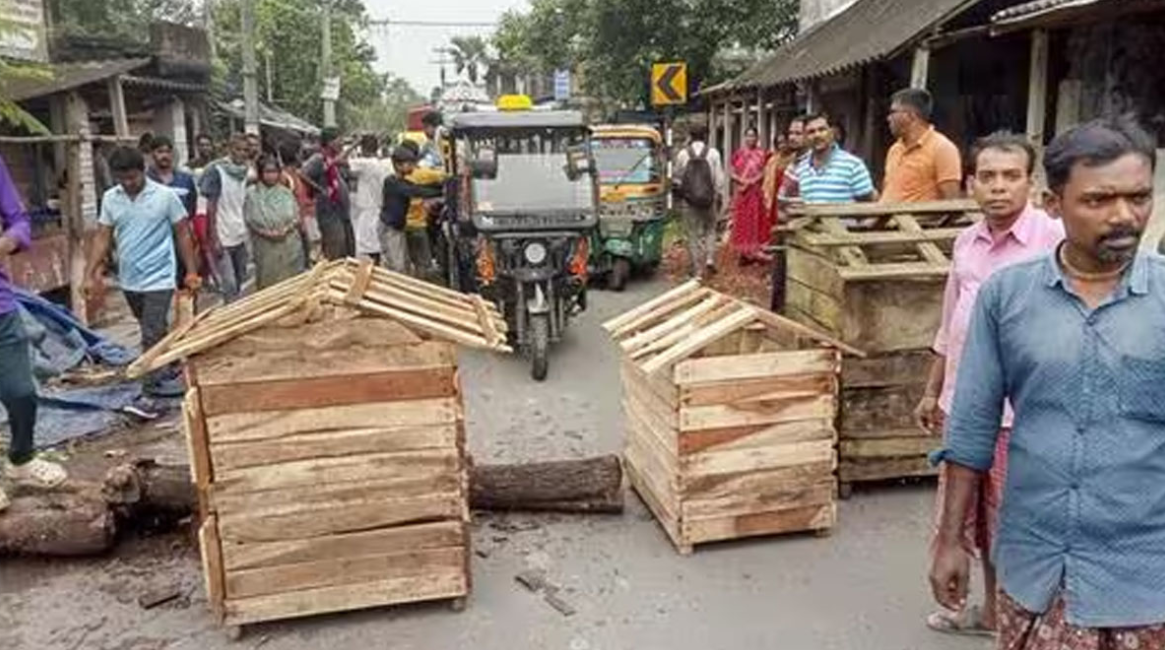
x: 66, y: 523
x: 83, y: 519
x: 587, y: 485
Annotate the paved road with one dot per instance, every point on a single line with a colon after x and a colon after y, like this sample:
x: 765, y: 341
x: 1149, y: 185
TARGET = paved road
x: 863, y: 588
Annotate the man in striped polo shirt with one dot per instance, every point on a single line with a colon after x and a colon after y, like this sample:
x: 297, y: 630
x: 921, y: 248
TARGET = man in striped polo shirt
x: 827, y: 174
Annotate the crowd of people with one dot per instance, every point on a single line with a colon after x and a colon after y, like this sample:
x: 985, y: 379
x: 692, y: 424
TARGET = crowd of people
x: 1044, y: 378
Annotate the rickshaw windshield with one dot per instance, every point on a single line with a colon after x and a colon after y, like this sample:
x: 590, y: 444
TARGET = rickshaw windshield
x: 625, y: 161
x: 531, y: 177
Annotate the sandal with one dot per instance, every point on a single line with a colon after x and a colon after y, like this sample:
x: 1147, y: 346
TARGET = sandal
x: 968, y: 622
x: 37, y: 473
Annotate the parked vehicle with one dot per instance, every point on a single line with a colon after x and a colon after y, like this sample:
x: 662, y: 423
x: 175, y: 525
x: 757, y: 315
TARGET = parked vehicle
x: 632, y: 164
x: 524, y: 208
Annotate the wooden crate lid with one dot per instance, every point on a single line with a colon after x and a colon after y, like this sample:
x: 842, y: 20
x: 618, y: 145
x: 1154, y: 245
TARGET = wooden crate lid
x: 426, y: 309
x: 849, y: 233
x: 683, y: 321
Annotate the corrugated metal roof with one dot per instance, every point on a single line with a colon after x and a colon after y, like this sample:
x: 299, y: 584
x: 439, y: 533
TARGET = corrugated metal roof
x: 270, y: 116
x: 1038, y: 6
x: 868, y: 30
x: 67, y: 76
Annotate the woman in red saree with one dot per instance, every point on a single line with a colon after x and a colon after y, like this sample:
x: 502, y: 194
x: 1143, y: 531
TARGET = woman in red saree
x: 751, y: 222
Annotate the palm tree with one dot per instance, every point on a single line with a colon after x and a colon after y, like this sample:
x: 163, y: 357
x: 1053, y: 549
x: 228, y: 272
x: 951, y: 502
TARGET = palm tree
x: 470, y: 55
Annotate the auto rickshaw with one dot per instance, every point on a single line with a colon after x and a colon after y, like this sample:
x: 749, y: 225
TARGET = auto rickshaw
x: 632, y: 164
x: 526, y: 196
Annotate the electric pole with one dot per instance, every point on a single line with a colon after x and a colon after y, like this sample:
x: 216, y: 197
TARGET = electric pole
x: 250, y: 70
x: 208, y: 24
x: 326, y: 67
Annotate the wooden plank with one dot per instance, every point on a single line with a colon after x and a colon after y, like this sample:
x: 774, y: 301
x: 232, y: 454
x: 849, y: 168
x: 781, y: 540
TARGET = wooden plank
x: 814, y: 271
x: 381, y: 541
x: 338, y: 571
x: 198, y: 446
x: 320, y: 471
x: 659, y: 441
x: 881, y: 434
x: 926, y: 247
x: 718, y: 416
x: 624, y: 320
x: 294, y: 604
x: 851, y: 255
x: 463, y: 316
x: 780, y: 322
x: 884, y: 209
x: 694, y: 373
x: 442, y: 330
x: 898, y: 369
x: 892, y: 316
x: 875, y: 409
x: 788, y: 497
x: 761, y: 435
x: 360, y: 282
x: 672, y: 324
x: 329, y: 444
x: 251, y: 359
x: 663, y: 412
x: 686, y: 331
x: 668, y: 521
x: 820, y: 517
x: 881, y: 470
x: 341, y: 517
x: 315, y: 392
x: 743, y: 392
x: 310, y: 497
x: 702, y: 338
x: 238, y: 427
x: 920, y: 67
x: 660, y: 386
x: 212, y: 564
x: 383, y: 277
x: 651, y: 319
x: 491, y: 329
x: 746, y: 460
x: 889, y: 447
x: 661, y: 480
x: 823, y: 311
x: 898, y: 271
x: 905, y: 236
x: 117, y: 107
x: 727, y: 485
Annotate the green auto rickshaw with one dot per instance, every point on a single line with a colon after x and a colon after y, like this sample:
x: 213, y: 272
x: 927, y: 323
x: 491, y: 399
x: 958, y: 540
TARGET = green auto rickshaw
x: 632, y: 165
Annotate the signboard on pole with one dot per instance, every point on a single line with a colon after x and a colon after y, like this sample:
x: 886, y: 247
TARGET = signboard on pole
x: 561, y: 85
x: 669, y: 83
x: 23, y: 34
x: 331, y: 90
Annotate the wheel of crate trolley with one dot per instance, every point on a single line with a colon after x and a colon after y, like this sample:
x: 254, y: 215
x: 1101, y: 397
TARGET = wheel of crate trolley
x: 458, y: 604
x: 234, y: 632
x: 845, y: 490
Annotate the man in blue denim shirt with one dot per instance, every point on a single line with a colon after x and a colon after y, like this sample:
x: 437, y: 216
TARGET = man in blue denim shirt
x: 1076, y: 341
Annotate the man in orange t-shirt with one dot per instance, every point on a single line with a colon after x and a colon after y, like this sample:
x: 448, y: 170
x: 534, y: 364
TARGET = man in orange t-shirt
x: 923, y: 165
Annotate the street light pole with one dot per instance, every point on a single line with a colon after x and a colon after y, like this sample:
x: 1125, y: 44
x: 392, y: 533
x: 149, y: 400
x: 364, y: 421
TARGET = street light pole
x: 250, y: 70
x: 326, y: 65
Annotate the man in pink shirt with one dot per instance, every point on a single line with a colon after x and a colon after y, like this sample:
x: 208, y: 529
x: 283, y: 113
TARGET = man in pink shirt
x: 1011, y: 231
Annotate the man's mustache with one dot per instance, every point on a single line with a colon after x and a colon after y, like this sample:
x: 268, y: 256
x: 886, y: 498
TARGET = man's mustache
x: 1120, y: 232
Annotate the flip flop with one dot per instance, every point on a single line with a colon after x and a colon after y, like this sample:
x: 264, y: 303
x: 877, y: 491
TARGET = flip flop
x: 968, y: 622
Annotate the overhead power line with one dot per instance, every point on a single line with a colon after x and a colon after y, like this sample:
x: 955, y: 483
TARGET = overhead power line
x: 387, y: 22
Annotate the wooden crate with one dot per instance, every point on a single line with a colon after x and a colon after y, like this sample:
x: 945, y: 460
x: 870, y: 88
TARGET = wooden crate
x: 729, y: 415
x: 873, y: 276
x: 328, y: 447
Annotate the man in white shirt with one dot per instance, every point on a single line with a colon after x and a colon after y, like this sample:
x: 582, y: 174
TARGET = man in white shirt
x: 368, y: 171
x: 700, y: 184
x: 224, y: 183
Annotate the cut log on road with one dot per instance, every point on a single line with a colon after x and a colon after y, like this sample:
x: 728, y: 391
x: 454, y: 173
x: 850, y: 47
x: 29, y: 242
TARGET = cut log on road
x: 149, y: 485
x: 587, y: 485
x: 61, y: 523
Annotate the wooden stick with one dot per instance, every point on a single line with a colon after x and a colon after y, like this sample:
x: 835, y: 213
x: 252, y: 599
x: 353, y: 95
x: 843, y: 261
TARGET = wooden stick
x: 487, y: 322
x: 359, y: 283
x: 929, y: 251
x: 424, y: 324
x: 623, y: 321
x: 422, y: 309
x: 703, y: 337
x: 780, y: 322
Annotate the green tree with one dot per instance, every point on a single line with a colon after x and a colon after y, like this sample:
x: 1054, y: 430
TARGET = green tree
x: 125, y: 21
x: 11, y: 113
x: 389, y: 114
x: 470, y: 55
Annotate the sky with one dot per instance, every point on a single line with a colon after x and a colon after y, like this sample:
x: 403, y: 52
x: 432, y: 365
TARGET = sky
x: 407, y: 51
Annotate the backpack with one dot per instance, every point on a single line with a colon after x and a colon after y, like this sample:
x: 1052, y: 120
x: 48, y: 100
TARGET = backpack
x: 697, y: 184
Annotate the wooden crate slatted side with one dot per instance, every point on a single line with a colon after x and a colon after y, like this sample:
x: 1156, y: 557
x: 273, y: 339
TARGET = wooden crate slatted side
x: 926, y: 238
x: 642, y: 396
x: 695, y: 374
x: 339, y: 390
x: 817, y: 517
x: 335, y: 572
x: 197, y: 441
x: 269, y: 425
x: 865, y: 410
x: 451, y: 583
x: 719, y: 486
x: 899, y: 271
x: 308, y: 498
x: 880, y: 470
x: 463, y: 316
x: 920, y: 236
x: 342, y: 517
x: 654, y: 476
x: 674, y: 323
x: 929, y: 209
x: 893, y: 316
x: 415, y: 464
x: 755, y: 436
x: 661, y: 387
x: 248, y: 359
x: 898, y: 369
x: 709, y: 334
x: 656, y: 440
x: 363, y: 543
x: 454, y: 332
x: 384, y: 278
x: 747, y: 460
x: 789, y: 497
x: 331, y: 444
x: 667, y: 519
x: 719, y: 416
x: 689, y: 329
x: 850, y: 255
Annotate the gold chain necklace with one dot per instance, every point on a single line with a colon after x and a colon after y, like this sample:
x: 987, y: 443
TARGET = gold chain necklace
x: 1085, y: 276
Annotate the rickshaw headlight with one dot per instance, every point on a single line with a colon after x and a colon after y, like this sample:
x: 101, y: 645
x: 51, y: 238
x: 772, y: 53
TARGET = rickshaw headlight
x: 535, y: 253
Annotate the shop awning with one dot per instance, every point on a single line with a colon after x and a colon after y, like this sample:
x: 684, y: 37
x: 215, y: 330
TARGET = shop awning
x: 868, y: 30
x: 1061, y: 13
x: 271, y: 116
x: 60, y: 77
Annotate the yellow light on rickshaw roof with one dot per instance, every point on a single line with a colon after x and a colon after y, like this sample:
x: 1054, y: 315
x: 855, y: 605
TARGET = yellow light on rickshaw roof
x: 515, y: 103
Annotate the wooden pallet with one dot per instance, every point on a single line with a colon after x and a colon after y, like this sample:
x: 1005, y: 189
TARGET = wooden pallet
x: 729, y: 417
x: 873, y: 275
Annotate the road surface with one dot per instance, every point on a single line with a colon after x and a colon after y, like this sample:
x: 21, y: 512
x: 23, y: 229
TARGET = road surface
x: 863, y: 588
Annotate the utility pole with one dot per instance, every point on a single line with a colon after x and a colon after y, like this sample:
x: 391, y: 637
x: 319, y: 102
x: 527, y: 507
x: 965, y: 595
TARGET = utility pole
x: 208, y: 24
x: 270, y: 86
x: 250, y: 71
x: 326, y: 66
